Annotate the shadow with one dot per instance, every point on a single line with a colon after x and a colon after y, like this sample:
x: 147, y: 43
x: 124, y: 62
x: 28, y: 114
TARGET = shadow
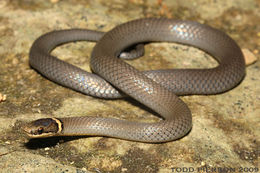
x: 38, y: 143
x: 142, y: 106
x: 133, y: 102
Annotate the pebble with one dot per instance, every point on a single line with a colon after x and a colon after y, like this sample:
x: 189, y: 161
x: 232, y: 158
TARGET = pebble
x: 2, y: 97
x: 250, y: 58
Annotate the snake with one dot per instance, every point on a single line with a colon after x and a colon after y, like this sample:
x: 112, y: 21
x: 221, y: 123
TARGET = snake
x: 113, y: 78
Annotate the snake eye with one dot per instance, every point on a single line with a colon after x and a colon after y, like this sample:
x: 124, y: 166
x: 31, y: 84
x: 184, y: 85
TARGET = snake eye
x: 40, y: 130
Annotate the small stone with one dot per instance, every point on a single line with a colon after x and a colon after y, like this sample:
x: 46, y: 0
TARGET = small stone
x: 250, y: 58
x: 123, y: 169
x: 54, y: 1
x: 255, y: 51
x: 2, y: 97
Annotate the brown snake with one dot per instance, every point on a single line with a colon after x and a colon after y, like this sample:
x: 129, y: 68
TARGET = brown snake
x: 155, y: 89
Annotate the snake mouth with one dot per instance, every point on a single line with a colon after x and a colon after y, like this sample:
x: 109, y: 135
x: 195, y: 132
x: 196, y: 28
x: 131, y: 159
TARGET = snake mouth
x: 33, y: 134
x: 29, y: 132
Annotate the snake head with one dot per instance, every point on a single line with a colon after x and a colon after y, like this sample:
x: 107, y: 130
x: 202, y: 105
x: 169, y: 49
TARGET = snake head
x: 43, y: 127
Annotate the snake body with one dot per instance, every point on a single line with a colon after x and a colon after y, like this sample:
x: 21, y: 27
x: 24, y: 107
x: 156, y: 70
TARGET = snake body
x: 156, y: 89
